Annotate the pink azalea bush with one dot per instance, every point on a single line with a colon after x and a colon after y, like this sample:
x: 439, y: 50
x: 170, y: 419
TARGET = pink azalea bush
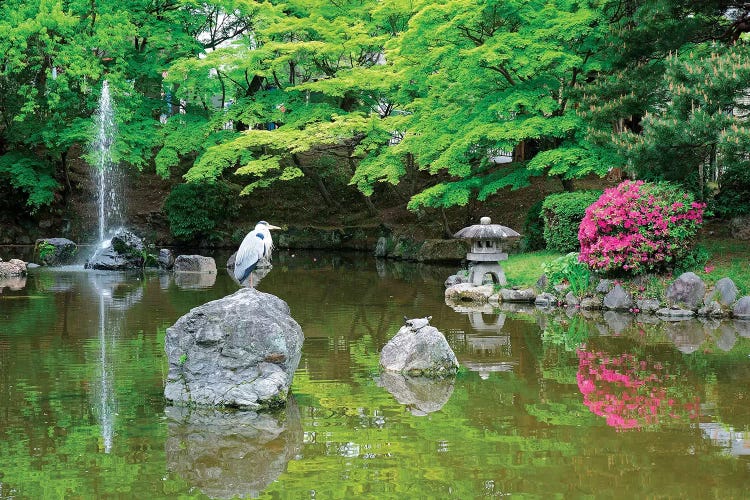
x: 631, y: 393
x: 638, y: 227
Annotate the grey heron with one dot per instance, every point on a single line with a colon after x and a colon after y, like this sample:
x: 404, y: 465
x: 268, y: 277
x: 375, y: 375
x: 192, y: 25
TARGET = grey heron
x: 256, y: 245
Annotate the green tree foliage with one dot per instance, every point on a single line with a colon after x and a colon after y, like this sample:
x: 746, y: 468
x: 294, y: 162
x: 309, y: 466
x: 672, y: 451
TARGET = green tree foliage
x: 303, y: 81
x: 54, y: 57
x: 480, y: 79
x: 198, y: 211
x: 670, y: 104
x: 700, y: 128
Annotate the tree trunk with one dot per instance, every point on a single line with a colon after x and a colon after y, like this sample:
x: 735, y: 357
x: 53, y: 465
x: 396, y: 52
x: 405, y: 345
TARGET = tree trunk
x: 567, y: 184
x: 313, y: 174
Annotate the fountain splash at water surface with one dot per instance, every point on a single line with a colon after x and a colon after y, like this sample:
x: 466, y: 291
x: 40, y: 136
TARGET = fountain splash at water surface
x: 108, y: 176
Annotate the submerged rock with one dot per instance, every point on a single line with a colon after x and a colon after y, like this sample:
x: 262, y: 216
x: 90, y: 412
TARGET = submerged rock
x: 239, y: 351
x: 124, y: 251
x: 419, y: 349
x: 55, y: 251
x: 231, y: 454
x: 675, y: 313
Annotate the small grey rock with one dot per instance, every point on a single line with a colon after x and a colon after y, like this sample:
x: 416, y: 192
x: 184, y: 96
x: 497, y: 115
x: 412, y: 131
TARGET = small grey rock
x: 545, y: 300
x: 741, y: 309
x: 618, y: 299
x: 604, y: 286
x: 525, y: 295
x: 647, y: 306
x: 591, y: 303
x: 571, y: 300
x: 675, y: 313
x: 725, y: 292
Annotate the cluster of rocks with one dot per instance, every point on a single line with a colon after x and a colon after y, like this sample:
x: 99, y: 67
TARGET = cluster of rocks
x: 686, y: 297
x: 124, y: 251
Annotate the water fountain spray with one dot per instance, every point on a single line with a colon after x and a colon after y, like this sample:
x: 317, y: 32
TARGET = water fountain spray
x: 108, y: 176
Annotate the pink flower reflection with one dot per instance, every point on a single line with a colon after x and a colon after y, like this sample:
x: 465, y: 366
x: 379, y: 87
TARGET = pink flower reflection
x: 631, y: 393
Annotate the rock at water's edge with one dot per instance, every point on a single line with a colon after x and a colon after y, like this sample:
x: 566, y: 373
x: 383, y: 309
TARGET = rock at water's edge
x: 194, y: 264
x: 55, y: 251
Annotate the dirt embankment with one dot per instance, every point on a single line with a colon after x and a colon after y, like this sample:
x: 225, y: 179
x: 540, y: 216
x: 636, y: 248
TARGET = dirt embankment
x: 325, y: 202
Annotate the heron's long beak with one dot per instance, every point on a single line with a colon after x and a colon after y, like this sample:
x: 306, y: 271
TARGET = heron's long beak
x: 273, y: 227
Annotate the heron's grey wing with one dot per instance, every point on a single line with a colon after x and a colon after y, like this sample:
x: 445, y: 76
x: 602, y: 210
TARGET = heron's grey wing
x: 248, y: 255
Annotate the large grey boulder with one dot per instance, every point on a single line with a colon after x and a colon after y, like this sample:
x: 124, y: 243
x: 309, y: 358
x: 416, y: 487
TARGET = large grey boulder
x: 123, y: 251
x: 194, y: 264
x: 420, y: 395
x: 231, y: 454
x: 617, y: 299
x: 687, y: 291
x: 239, y: 351
x: 419, y: 349
x: 55, y: 251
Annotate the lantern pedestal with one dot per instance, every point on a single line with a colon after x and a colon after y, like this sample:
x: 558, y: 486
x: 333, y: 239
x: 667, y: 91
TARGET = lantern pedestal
x: 478, y: 270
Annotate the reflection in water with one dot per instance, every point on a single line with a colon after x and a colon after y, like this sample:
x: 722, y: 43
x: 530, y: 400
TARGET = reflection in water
x: 632, y: 392
x: 116, y: 295
x: 228, y: 454
x: 421, y: 395
x: 13, y: 283
x: 524, y: 431
x: 189, y: 281
x: 482, y: 352
x: 735, y: 442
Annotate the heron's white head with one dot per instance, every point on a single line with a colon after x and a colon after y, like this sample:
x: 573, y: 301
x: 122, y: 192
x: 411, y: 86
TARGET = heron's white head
x: 265, y: 225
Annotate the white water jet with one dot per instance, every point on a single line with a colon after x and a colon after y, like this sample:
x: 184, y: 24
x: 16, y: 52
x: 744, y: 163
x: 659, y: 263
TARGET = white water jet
x: 108, y: 176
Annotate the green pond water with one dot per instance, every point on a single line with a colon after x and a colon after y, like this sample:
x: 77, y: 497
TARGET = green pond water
x: 543, y: 406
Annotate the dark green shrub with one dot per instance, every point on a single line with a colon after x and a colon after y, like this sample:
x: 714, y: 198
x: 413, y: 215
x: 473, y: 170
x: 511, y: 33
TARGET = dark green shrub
x: 533, y: 229
x: 199, y: 210
x: 562, y: 214
x: 734, y: 197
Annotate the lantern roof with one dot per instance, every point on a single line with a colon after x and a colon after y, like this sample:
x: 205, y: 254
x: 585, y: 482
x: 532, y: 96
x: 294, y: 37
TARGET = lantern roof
x: 485, y: 230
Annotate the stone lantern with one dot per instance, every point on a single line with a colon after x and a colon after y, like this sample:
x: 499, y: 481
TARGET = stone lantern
x: 486, y: 250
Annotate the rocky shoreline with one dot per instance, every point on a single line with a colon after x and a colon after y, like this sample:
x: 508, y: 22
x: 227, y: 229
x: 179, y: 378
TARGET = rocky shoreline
x: 686, y: 297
